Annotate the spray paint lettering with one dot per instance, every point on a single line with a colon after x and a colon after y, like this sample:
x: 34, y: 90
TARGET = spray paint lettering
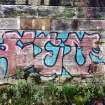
x: 63, y: 53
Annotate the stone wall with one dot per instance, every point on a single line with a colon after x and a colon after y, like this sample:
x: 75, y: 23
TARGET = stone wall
x: 62, y: 40
x: 27, y: 41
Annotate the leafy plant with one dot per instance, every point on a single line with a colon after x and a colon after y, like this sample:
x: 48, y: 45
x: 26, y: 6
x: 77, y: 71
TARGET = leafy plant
x: 19, y: 73
x: 70, y: 91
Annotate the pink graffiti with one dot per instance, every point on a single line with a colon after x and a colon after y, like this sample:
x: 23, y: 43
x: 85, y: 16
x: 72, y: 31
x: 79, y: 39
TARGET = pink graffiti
x: 34, y: 48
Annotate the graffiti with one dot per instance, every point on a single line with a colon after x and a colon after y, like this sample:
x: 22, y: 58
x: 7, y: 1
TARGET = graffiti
x: 61, y: 53
x: 3, y: 65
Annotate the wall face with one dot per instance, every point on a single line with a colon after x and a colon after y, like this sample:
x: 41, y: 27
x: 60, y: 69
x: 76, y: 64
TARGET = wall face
x: 55, y: 39
x: 61, y: 53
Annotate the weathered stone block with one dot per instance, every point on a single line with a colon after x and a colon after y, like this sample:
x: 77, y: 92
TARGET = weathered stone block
x: 91, y: 12
x: 45, y: 11
x: 9, y: 23
x: 46, y: 2
x: 17, y: 10
x: 34, y: 2
x: 61, y: 24
x: 36, y: 24
x: 21, y: 1
x: 92, y: 25
x: 41, y: 24
x: 78, y: 24
x: 26, y: 23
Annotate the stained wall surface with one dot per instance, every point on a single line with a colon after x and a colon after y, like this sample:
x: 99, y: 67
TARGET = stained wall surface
x: 62, y: 40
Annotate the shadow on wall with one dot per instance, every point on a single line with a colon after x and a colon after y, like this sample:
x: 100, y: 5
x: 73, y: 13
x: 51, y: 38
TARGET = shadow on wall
x: 54, y: 2
x: 12, y: 2
x: 92, y: 3
x: 39, y: 2
x: 97, y: 3
x: 7, y: 2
